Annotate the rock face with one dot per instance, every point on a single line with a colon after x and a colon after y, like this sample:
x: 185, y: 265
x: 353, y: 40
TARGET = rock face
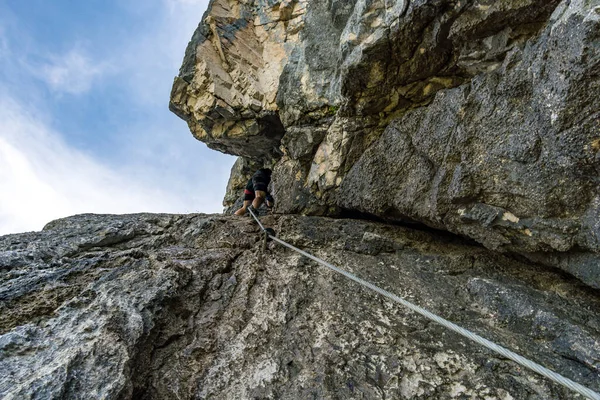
x: 476, y: 117
x: 480, y: 117
x: 507, y: 159
x: 186, y: 306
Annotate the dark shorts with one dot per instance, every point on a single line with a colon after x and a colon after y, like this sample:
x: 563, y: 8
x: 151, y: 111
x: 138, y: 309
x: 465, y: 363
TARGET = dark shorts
x: 260, y: 186
x: 253, y: 185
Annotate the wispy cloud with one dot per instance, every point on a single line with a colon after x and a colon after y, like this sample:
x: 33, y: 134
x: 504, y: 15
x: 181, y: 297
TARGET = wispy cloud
x: 42, y: 178
x: 138, y: 156
x: 73, y: 73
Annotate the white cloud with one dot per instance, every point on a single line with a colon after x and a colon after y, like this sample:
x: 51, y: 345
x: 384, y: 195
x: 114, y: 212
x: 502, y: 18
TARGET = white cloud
x: 42, y: 178
x: 73, y: 73
x: 155, y: 164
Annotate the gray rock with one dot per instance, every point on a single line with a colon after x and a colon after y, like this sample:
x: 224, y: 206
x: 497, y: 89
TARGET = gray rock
x: 489, y: 110
x: 186, y: 306
x: 507, y: 159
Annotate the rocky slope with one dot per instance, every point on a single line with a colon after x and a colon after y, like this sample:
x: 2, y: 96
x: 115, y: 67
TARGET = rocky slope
x: 477, y: 117
x: 181, y: 306
x: 474, y: 123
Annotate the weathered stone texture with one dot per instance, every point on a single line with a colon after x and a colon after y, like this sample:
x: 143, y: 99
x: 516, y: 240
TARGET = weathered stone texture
x: 477, y: 117
x: 507, y: 159
x: 228, y: 84
x: 185, y: 306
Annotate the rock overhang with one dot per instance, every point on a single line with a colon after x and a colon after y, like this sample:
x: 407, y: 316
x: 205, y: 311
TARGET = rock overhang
x: 437, y: 77
x: 229, y: 100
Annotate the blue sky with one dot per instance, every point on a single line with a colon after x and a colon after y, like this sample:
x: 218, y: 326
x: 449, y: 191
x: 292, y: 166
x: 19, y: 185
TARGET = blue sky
x: 84, y: 119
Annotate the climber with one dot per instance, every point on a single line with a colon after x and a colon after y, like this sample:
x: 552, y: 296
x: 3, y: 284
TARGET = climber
x: 256, y: 191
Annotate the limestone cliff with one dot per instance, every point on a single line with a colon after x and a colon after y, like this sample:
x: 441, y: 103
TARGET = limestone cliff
x: 477, y: 117
x: 182, y: 307
x: 465, y: 135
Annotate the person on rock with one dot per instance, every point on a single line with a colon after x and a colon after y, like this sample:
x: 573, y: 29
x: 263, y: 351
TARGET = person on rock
x: 256, y: 191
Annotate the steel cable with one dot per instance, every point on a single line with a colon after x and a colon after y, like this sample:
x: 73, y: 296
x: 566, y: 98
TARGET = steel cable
x: 450, y: 325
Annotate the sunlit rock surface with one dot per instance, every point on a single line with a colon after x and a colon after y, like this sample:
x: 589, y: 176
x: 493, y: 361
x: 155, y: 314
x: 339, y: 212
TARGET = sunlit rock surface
x: 476, y: 117
x: 186, y: 306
